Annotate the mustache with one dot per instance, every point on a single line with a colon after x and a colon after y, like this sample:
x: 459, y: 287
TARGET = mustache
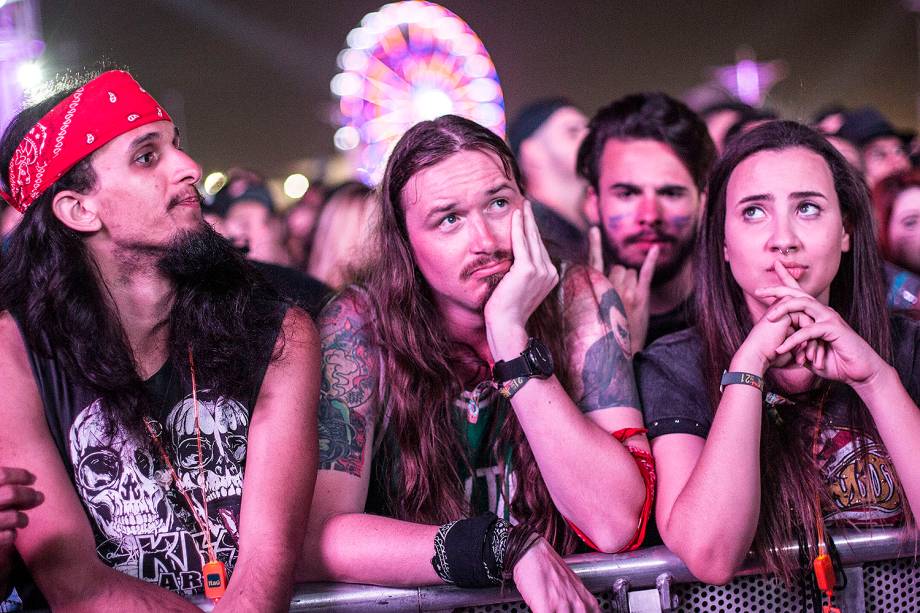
x: 180, y: 198
x: 485, y: 260
x: 652, y: 235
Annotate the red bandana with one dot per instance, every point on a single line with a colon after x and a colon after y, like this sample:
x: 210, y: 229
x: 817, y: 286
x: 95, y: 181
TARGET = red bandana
x: 108, y: 106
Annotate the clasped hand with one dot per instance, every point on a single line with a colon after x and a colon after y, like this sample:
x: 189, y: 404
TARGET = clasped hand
x: 798, y: 328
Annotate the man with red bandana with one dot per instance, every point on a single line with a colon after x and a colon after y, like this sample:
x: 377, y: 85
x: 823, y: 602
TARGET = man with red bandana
x: 152, y: 376
x: 646, y: 158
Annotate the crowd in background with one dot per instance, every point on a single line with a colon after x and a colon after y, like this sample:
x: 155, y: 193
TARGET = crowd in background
x: 662, y: 204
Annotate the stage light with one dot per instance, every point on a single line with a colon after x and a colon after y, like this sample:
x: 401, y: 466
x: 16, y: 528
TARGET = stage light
x: 29, y: 74
x: 296, y: 185
x: 213, y: 182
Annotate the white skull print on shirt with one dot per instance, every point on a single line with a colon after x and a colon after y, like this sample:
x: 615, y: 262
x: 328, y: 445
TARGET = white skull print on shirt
x: 144, y: 527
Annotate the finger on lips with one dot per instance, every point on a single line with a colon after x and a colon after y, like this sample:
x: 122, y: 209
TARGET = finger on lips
x: 784, y: 276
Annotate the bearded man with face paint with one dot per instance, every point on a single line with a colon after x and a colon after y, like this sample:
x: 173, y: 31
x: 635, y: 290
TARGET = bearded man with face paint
x: 469, y: 383
x: 153, y: 377
x: 646, y: 158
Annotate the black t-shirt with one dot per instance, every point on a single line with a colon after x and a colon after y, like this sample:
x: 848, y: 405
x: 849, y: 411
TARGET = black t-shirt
x: 140, y: 521
x: 303, y: 290
x: 563, y: 240
x: 675, y: 399
x: 677, y: 319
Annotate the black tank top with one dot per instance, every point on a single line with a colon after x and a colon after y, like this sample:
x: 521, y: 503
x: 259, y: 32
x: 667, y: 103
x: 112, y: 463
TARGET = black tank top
x: 141, y: 522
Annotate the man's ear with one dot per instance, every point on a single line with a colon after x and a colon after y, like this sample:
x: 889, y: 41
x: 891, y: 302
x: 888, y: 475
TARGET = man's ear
x: 75, y: 211
x: 592, y: 211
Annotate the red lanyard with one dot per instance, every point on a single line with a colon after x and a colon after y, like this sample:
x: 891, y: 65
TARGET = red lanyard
x: 825, y: 575
x: 214, y: 571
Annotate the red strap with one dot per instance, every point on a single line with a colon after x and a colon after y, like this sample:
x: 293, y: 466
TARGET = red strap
x: 646, y: 465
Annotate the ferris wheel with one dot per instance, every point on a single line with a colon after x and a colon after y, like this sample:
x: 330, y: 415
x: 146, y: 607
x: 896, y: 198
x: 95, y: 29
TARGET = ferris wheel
x: 408, y: 62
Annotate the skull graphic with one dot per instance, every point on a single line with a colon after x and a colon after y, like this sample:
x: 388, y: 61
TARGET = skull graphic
x: 117, y: 480
x: 224, y: 427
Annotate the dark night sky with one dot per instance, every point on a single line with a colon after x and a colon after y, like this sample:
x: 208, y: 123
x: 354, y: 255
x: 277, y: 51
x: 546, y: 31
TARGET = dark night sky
x: 249, y: 81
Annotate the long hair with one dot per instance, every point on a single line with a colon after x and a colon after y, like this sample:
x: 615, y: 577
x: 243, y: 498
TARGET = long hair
x: 50, y: 281
x: 884, y: 195
x: 420, y: 359
x: 789, y: 477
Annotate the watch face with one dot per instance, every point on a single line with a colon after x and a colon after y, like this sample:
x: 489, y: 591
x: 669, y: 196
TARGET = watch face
x: 541, y: 360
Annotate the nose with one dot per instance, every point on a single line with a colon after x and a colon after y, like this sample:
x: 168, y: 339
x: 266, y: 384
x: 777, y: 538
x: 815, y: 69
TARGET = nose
x: 648, y: 213
x: 482, y: 235
x: 783, y: 238
x: 187, y: 170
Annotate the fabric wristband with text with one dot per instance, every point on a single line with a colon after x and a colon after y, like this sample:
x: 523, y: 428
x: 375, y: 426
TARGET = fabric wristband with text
x: 741, y: 378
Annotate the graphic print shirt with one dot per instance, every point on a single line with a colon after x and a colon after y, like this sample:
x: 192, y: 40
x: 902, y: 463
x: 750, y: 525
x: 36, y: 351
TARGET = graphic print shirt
x: 861, y: 486
x: 142, y: 525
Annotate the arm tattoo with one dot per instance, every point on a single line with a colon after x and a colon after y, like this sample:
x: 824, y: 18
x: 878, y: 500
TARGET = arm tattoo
x: 610, y: 300
x: 607, y: 377
x: 346, y: 390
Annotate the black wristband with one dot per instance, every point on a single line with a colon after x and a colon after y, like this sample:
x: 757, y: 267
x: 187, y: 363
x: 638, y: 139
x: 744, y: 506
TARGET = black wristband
x: 470, y: 552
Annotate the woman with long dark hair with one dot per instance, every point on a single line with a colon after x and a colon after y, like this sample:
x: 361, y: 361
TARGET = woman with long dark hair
x: 792, y: 405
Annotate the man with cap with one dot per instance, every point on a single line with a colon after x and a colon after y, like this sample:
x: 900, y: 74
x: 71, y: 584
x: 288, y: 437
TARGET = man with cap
x: 883, y: 150
x: 544, y: 138
x: 151, y: 377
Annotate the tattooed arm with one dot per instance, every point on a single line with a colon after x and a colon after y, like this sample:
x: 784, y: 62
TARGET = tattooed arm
x: 343, y: 543
x: 592, y: 478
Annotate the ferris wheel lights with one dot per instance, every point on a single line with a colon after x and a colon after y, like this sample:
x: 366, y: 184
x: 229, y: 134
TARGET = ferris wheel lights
x: 346, y: 138
x: 407, y: 62
x: 465, y: 44
x: 345, y: 84
x: 354, y: 60
x: 483, y: 90
x: 490, y: 115
x: 430, y: 104
x: 477, y: 66
x: 447, y: 27
x: 360, y: 38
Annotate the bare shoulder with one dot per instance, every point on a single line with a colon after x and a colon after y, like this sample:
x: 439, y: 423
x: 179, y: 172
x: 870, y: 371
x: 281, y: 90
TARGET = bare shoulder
x: 15, y: 373
x: 298, y: 333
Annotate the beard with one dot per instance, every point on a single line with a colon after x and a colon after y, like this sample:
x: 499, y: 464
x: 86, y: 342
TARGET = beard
x: 491, y: 281
x: 665, y: 270
x: 201, y: 260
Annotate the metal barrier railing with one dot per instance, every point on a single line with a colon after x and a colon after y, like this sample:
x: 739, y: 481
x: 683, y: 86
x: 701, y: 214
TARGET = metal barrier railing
x: 654, y: 573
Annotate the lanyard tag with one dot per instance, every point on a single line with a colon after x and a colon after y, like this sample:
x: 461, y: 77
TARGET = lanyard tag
x: 215, y: 579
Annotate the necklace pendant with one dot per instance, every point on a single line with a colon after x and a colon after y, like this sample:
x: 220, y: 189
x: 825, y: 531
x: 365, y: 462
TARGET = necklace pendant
x: 472, y: 410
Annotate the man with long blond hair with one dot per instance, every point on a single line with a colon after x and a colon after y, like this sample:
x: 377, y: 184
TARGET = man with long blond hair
x: 470, y: 384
